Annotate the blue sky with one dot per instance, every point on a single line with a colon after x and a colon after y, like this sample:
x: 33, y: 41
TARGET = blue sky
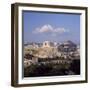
x: 39, y: 27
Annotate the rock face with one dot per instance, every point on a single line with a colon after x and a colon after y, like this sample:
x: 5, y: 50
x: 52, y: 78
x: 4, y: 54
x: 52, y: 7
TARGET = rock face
x: 66, y: 51
x: 48, y: 52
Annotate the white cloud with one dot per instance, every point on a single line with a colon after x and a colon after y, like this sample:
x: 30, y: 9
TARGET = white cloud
x: 49, y: 28
x: 43, y: 29
x: 60, y: 30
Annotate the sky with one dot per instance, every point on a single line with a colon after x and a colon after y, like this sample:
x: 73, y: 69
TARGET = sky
x: 55, y: 27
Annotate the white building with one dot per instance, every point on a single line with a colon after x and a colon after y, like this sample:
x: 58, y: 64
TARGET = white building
x: 48, y: 44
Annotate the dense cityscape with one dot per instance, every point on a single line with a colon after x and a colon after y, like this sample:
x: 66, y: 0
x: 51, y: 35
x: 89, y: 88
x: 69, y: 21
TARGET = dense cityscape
x: 51, y: 59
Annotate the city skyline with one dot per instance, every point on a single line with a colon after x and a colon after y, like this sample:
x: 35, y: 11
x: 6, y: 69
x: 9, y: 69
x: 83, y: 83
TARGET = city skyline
x: 40, y: 27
